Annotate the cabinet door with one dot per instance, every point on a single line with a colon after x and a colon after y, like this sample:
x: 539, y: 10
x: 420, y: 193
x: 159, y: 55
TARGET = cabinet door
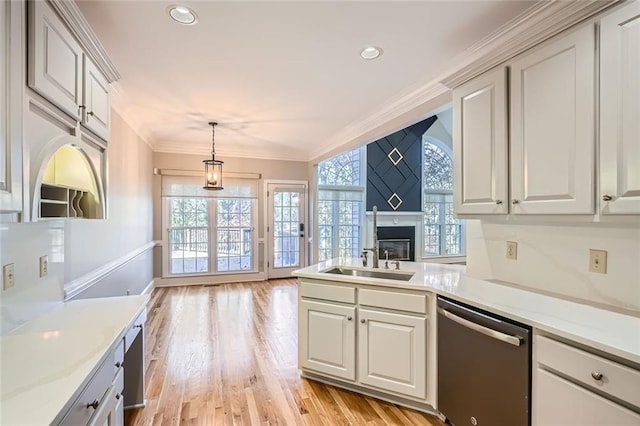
x: 11, y: 89
x: 55, y: 59
x: 392, y: 352
x: 480, y: 145
x: 97, y: 114
x: 557, y: 401
x: 327, y: 338
x: 107, y: 414
x: 620, y: 111
x: 552, y: 127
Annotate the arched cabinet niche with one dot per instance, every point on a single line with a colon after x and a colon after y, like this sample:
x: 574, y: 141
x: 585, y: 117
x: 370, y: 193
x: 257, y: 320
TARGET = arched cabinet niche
x: 69, y: 186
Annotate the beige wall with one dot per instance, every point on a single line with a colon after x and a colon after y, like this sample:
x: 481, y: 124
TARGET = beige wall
x: 78, y: 247
x: 269, y: 169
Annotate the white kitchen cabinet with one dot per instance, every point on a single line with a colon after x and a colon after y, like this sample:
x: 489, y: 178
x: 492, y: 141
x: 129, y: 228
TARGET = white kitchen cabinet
x: 480, y: 145
x: 574, y: 387
x: 327, y: 338
x: 11, y: 83
x: 620, y: 111
x: 96, y: 111
x: 62, y: 72
x: 392, y: 352
x: 552, y: 136
x: 55, y: 59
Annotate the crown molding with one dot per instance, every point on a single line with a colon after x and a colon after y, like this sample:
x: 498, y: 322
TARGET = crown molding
x: 201, y: 149
x: 75, y: 20
x: 538, y: 23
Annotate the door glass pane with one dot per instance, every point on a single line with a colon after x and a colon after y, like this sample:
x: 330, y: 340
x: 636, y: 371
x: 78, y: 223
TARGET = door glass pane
x: 286, y: 232
x: 235, y: 235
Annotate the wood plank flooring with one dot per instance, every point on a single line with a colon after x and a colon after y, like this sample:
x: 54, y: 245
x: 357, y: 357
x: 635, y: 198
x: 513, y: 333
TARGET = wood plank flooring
x: 227, y: 355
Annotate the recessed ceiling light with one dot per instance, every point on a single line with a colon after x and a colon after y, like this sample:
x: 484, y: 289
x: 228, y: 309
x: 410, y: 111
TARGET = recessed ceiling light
x: 371, y: 52
x: 182, y: 14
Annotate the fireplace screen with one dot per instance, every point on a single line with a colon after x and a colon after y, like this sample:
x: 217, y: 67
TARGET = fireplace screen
x: 399, y: 249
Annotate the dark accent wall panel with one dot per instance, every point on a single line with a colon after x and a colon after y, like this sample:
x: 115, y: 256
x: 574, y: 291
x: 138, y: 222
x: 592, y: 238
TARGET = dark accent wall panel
x: 404, y: 178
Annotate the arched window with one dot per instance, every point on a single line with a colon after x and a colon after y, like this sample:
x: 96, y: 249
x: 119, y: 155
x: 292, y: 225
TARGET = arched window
x: 340, y: 212
x: 443, y: 233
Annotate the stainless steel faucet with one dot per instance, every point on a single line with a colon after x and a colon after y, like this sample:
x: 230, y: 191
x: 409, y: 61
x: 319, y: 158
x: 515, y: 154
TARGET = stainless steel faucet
x: 375, y: 248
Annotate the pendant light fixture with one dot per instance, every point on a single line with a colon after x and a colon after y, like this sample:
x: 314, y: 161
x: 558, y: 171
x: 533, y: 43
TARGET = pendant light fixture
x: 213, y: 167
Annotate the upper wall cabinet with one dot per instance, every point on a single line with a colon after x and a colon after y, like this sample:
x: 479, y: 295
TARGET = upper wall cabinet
x: 11, y: 86
x: 480, y: 145
x: 60, y: 71
x: 620, y: 111
x: 549, y: 149
x: 552, y: 127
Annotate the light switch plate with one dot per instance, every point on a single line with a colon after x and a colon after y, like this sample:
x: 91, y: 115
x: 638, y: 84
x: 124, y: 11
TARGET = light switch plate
x: 44, y: 265
x: 8, y: 276
x: 512, y: 250
x: 598, y: 261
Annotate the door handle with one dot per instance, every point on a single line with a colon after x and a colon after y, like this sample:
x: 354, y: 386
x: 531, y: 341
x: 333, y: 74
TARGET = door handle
x: 507, y: 338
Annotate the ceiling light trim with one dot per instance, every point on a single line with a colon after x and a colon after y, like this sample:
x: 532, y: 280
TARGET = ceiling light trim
x: 183, y: 10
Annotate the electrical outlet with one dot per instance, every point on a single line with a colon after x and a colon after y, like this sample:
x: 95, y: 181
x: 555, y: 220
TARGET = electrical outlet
x: 44, y: 265
x: 598, y: 261
x: 512, y: 250
x: 8, y: 276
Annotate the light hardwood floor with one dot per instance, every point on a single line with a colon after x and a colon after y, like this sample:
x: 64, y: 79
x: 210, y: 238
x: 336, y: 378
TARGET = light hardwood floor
x: 227, y: 355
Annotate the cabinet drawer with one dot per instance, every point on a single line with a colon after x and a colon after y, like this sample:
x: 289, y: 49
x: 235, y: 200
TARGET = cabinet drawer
x: 335, y: 293
x: 617, y: 380
x: 136, y: 327
x: 80, y: 412
x: 392, y: 300
x: 118, y: 357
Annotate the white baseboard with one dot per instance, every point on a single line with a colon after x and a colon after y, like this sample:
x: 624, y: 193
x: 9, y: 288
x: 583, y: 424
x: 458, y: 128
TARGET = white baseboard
x: 149, y: 288
x: 209, y: 279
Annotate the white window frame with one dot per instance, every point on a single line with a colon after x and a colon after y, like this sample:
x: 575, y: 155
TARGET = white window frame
x: 361, y: 189
x: 442, y: 213
x: 212, y: 234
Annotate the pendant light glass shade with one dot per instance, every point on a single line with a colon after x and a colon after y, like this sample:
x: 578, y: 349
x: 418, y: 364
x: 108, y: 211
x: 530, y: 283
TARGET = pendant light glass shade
x: 213, y: 167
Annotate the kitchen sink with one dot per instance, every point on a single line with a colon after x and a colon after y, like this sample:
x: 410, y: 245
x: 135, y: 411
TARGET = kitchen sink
x: 401, y: 276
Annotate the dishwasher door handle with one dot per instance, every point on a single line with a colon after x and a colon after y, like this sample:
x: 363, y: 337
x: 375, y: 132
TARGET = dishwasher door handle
x: 507, y: 338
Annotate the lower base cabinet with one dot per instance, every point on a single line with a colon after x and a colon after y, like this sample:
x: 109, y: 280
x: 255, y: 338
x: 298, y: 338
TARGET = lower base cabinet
x: 327, y: 338
x: 391, y: 345
x: 392, y: 352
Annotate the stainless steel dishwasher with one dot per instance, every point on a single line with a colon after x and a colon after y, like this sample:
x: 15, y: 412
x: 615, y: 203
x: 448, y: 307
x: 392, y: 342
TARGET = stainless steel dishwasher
x: 484, y: 367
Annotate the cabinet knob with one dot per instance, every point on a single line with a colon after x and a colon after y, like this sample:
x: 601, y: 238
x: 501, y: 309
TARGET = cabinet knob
x: 349, y: 318
x: 596, y: 375
x: 515, y: 201
x: 362, y: 321
x: 138, y: 326
x: 118, y: 364
x: 90, y: 113
x: 607, y: 197
x: 498, y: 202
x: 118, y: 396
x: 94, y: 404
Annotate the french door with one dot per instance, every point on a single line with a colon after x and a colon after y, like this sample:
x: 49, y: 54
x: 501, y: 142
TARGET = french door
x: 286, y: 246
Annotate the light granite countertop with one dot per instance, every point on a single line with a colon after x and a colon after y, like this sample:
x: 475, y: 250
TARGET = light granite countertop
x: 46, y: 362
x: 612, y: 332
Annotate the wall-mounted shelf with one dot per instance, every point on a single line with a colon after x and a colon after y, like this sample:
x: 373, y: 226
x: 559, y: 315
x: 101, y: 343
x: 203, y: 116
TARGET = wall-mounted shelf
x: 64, y: 201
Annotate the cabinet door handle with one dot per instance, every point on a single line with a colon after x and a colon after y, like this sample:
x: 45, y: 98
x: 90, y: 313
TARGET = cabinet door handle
x: 94, y: 404
x: 498, y: 202
x: 514, y: 202
x: 607, y: 197
x: 138, y: 326
x: 349, y: 318
x: 90, y: 113
x: 118, y: 396
x: 118, y: 364
x: 362, y: 321
x: 597, y: 375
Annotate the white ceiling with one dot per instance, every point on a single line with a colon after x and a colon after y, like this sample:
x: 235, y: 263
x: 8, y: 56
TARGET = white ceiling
x: 283, y: 79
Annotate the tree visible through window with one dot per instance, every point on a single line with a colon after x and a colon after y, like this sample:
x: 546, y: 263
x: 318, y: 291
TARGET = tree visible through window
x: 340, y: 213
x: 442, y: 231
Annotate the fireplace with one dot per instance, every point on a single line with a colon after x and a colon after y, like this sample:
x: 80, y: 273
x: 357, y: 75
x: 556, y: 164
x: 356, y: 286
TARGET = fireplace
x: 398, y: 241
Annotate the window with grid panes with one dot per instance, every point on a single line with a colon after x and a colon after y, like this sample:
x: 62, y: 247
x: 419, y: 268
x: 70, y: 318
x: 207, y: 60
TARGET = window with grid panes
x: 340, y: 212
x: 442, y: 232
